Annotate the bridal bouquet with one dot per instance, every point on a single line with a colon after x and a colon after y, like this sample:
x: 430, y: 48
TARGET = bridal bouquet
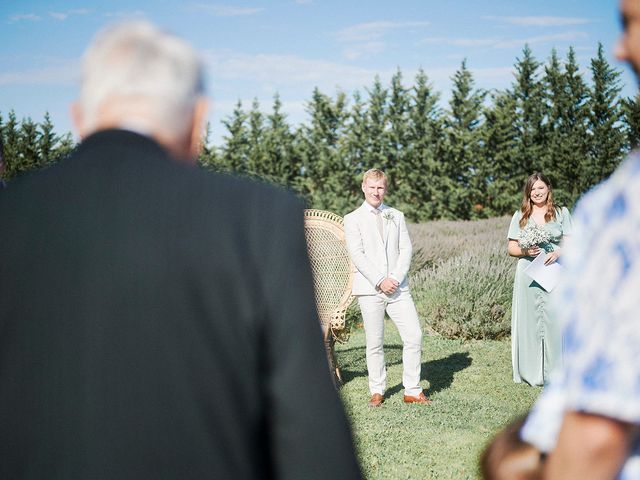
x: 533, y: 235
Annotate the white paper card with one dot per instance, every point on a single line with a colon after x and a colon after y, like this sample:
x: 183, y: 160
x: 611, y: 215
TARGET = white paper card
x: 547, y: 276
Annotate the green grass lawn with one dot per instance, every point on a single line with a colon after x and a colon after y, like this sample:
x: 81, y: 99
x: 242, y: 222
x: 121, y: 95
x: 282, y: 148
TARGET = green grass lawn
x: 474, y: 396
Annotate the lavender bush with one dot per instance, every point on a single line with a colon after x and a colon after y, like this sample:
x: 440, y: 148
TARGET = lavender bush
x: 462, y: 277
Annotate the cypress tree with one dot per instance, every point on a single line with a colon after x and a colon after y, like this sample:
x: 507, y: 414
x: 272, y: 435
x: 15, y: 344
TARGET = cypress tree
x: 12, y: 151
x: 607, y: 140
x: 529, y: 107
x: 256, y: 163
x: 235, y: 150
x: 28, y: 157
x: 281, y: 163
x: 377, y: 151
x: 565, y: 94
x: 401, y: 179
x: 355, y: 142
x: 500, y: 134
x: 631, y: 111
x: 209, y: 157
x: 421, y: 199
x: 461, y: 153
x: 326, y: 174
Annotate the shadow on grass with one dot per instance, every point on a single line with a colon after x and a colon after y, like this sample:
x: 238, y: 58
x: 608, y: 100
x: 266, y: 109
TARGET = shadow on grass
x: 440, y: 372
x: 353, y: 362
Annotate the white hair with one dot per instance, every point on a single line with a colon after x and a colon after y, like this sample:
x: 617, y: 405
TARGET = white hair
x: 155, y: 77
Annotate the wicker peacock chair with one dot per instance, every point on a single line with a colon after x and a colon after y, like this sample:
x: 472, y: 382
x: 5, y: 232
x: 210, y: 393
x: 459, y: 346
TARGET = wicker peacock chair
x: 332, y: 277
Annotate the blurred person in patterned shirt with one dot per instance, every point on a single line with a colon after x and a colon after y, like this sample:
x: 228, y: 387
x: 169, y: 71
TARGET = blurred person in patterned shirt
x: 588, y: 418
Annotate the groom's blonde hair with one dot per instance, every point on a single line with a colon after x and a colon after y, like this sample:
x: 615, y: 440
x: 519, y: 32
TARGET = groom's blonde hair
x: 375, y: 174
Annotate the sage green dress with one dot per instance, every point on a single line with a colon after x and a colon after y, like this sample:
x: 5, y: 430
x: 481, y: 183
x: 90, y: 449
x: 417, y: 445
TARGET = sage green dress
x: 536, y: 341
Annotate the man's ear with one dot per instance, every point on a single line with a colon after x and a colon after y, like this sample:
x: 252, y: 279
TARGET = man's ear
x: 200, y: 111
x: 78, y: 119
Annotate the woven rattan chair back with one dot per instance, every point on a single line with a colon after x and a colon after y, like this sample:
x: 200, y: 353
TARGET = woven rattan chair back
x: 332, y: 274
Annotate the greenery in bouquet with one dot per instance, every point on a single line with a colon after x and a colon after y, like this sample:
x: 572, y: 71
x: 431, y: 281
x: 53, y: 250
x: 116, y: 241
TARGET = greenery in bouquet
x: 533, y: 235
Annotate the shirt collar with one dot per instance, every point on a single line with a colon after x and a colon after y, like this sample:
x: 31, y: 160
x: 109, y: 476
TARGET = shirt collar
x: 369, y: 208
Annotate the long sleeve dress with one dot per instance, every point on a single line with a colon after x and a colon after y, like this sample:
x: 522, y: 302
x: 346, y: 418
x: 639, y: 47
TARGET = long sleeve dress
x: 536, y: 341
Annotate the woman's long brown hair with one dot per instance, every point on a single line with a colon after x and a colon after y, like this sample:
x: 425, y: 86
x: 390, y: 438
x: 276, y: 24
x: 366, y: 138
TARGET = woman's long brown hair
x: 527, y: 205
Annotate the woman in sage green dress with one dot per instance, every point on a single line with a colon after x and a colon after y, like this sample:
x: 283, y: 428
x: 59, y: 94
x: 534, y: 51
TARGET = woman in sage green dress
x: 536, y: 341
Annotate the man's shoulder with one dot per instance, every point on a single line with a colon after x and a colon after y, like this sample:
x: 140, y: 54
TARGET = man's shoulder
x: 353, y: 213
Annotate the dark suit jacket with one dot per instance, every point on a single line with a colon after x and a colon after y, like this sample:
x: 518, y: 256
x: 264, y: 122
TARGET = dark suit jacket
x: 157, y: 321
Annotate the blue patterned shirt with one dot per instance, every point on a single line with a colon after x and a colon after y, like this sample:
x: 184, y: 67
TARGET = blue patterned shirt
x: 598, y: 303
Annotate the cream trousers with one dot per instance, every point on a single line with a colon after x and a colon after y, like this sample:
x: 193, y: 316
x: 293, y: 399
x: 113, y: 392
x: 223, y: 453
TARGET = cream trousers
x: 403, y: 313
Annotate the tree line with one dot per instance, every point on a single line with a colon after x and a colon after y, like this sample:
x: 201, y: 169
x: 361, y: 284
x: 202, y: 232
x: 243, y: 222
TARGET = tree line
x: 466, y: 159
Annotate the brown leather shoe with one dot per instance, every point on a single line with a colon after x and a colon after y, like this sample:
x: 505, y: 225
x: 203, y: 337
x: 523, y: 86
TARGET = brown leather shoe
x: 421, y: 399
x: 376, y: 400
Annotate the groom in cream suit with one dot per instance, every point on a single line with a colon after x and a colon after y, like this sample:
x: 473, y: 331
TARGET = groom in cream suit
x: 380, y: 248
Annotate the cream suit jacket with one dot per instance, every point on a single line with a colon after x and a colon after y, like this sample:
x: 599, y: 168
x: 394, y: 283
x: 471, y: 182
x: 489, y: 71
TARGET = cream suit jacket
x: 376, y: 258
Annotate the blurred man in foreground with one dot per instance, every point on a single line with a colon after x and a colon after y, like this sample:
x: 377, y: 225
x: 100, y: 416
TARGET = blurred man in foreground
x: 157, y: 321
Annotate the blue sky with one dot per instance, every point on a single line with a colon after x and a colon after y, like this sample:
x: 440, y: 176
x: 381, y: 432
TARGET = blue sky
x: 253, y: 49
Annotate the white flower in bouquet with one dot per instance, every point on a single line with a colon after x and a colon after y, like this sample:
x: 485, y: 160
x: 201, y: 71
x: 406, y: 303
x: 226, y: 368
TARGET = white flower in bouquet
x: 387, y: 215
x: 533, y: 235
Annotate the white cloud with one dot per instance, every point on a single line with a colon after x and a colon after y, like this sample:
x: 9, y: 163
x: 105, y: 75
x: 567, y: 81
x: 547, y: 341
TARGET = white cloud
x: 61, y: 16
x: 223, y: 10
x: 540, y: 21
x: 31, y: 17
x: 461, y: 42
x: 65, y: 15
x: 285, y: 70
x: 60, y: 72
x: 505, y: 43
x: 542, y: 39
x: 360, y: 50
x: 58, y: 15
x: 293, y: 75
x: 365, y: 32
x: 304, y: 2
x: 125, y: 14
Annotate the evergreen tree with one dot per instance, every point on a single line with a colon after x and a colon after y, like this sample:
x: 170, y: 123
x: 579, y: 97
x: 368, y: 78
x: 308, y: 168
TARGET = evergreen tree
x: 461, y: 154
x: 12, y: 153
x: 235, y: 151
x: 355, y: 142
x: 566, y: 95
x: 281, y: 163
x: 607, y: 139
x: 28, y: 157
x: 46, y: 141
x: 421, y: 198
x: 209, y: 157
x: 631, y: 111
x: 326, y: 174
x: 397, y: 134
x: 500, y: 140
x: 530, y: 112
x: 376, y: 140
x: 63, y: 146
x: 255, y: 153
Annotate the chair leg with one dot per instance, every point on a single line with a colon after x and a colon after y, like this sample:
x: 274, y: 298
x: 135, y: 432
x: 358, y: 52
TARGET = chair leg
x: 329, y: 343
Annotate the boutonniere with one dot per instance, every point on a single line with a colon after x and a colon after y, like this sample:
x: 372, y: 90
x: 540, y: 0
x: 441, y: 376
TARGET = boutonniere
x: 388, y: 216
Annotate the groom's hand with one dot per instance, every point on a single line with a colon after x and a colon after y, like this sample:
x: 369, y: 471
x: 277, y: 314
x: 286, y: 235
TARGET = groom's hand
x: 389, y: 286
